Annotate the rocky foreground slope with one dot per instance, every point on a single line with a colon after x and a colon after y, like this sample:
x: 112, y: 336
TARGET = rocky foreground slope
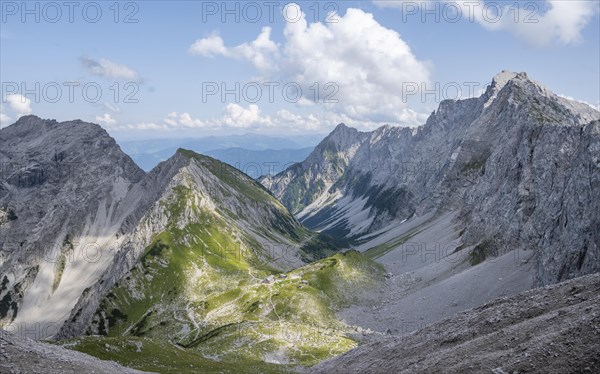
x: 555, y: 329
x: 21, y: 355
x: 518, y: 166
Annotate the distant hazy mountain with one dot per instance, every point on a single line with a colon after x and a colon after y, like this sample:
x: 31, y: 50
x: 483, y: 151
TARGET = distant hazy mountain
x: 241, y: 151
x: 255, y: 163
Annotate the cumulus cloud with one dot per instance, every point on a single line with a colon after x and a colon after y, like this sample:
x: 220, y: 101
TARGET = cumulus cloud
x: 289, y: 119
x: 260, y: 52
x: 110, y: 69
x: 365, y: 63
x: 4, y: 119
x: 236, y: 116
x: 538, y: 23
x: 19, y: 104
x: 210, y: 46
x: 141, y: 126
x: 106, y: 119
x: 186, y: 120
x: 562, y: 22
x: 144, y: 126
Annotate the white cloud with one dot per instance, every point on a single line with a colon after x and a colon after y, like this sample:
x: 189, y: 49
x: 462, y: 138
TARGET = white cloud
x: 106, y: 119
x: 110, y: 69
x: 186, y: 120
x: 260, y: 52
x: 210, y: 46
x: 289, y: 119
x: 564, y: 22
x: 408, y: 117
x: 170, y: 122
x: 175, y: 120
x: 539, y: 23
x: 19, y: 104
x: 236, y: 116
x: 365, y: 62
x: 145, y: 126
x: 4, y: 119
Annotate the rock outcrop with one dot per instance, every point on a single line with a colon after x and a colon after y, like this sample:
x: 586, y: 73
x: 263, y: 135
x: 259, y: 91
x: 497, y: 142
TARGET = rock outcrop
x: 24, y: 355
x: 548, y: 330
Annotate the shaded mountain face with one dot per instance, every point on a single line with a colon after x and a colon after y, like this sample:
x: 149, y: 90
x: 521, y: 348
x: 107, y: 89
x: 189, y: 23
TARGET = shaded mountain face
x: 62, y: 193
x: 518, y: 165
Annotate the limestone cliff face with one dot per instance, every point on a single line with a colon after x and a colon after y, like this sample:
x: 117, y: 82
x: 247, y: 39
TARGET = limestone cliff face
x: 302, y: 184
x: 62, y: 194
x: 519, y: 163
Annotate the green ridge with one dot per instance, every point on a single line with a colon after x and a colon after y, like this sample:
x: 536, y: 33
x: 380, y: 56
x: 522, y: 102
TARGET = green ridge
x: 203, y: 295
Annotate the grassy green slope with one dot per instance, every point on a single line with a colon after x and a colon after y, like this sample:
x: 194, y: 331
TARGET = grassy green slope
x: 243, y: 325
x: 203, y: 295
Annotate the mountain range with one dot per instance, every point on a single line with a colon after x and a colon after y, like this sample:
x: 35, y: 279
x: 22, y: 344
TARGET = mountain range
x: 192, y: 255
x: 376, y: 242
x: 518, y: 167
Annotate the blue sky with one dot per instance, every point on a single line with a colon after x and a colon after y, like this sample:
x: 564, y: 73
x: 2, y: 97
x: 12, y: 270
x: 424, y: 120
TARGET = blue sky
x: 369, y: 56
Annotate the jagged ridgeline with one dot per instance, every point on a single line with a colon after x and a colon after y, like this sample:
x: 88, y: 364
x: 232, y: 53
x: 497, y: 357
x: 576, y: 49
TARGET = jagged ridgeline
x: 518, y: 167
x: 197, y: 263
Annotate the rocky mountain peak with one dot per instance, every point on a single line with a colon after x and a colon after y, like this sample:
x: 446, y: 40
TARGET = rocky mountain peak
x: 510, y: 143
x: 69, y: 180
x: 498, y: 82
x: 504, y: 76
x: 343, y: 136
x: 30, y: 119
x: 342, y: 126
